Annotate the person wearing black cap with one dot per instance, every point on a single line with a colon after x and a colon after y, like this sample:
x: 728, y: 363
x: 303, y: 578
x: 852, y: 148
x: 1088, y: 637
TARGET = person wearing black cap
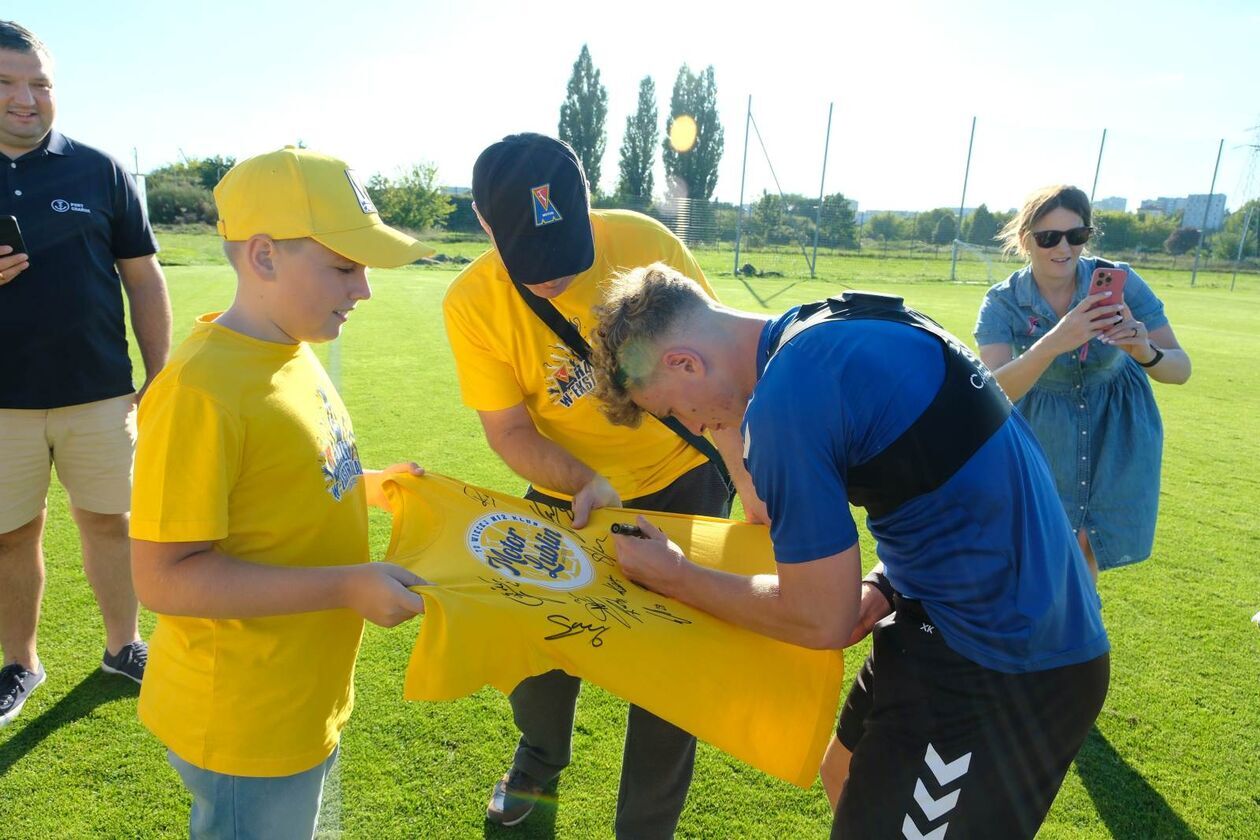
x: 518, y: 320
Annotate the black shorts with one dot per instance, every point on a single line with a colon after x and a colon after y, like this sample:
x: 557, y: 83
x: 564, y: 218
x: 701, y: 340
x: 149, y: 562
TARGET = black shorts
x: 938, y: 740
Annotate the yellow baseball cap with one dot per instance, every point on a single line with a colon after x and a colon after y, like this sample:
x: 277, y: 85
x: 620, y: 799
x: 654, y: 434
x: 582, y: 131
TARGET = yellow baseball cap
x: 295, y: 193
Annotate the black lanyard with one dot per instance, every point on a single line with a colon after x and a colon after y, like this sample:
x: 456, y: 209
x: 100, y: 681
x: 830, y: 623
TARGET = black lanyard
x: 566, y: 332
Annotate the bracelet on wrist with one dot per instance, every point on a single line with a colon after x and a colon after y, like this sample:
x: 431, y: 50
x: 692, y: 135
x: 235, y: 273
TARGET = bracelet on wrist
x: 1159, y: 354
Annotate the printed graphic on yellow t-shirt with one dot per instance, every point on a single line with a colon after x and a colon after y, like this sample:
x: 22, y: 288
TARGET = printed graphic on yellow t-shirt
x: 505, y: 355
x: 246, y: 444
x: 517, y: 592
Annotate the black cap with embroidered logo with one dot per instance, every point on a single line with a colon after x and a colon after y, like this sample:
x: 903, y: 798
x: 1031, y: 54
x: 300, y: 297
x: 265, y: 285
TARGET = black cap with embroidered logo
x: 532, y: 192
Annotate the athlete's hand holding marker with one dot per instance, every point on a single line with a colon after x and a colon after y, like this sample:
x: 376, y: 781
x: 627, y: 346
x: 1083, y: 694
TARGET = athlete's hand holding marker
x: 648, y: 558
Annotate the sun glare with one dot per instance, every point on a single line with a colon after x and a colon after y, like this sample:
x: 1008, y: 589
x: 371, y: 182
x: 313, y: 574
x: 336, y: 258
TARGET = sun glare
x: 682, y: 133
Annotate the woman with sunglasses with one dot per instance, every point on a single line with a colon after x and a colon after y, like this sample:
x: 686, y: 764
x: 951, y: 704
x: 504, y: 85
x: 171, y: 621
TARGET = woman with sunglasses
x: 1077, y: 366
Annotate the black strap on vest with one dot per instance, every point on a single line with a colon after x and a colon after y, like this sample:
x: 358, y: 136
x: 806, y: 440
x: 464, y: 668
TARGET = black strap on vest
x: 566, y: 332
x: 967, y: 410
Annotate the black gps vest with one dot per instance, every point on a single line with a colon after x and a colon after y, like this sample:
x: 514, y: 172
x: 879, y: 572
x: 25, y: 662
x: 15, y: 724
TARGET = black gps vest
x: 967, y: 410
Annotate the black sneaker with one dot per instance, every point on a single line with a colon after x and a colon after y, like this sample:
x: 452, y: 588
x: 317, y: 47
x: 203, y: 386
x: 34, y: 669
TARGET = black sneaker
x: 129, y: 661
x: 514, y: 797
x: 16, y: 684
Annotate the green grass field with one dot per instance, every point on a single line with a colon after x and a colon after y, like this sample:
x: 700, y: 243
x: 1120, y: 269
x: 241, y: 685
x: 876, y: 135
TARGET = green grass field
x: 1176, y: 752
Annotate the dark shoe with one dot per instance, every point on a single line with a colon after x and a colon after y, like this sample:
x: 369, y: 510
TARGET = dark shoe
x: 129, y: 661
x: 514, y: 797
x: 16, y: 684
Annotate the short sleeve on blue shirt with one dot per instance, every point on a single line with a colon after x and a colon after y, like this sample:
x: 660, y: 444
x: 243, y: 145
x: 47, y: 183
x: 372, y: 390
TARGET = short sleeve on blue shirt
x: 833, y: 397
x: 796, y: 469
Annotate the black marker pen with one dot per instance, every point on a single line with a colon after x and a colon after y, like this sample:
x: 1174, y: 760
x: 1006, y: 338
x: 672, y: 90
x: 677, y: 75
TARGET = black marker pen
x: 628, y: 530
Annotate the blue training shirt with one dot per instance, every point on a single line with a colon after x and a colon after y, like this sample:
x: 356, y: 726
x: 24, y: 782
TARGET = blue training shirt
x: 990, y: 553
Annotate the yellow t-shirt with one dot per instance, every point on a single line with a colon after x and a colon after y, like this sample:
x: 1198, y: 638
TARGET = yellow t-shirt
x: 246, y: 443
x: 505, y: 355
x: 516, y: 592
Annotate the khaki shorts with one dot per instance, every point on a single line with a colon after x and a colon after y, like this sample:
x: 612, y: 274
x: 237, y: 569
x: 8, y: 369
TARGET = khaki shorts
x: 92, y: 445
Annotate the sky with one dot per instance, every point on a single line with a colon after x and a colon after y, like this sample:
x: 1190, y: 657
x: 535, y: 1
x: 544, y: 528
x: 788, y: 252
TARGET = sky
x: 384, y: 84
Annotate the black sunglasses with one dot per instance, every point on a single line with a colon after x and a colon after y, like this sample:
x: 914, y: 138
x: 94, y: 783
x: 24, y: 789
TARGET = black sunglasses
x: 1050, y: 238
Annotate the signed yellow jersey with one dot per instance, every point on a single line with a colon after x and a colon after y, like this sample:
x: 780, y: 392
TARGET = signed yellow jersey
x: 505, y: 355
x: 246, y: 444
x: 517, y: 592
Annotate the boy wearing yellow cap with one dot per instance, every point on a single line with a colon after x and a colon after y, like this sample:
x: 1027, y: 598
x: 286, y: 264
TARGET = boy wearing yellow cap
x: 249, y: 508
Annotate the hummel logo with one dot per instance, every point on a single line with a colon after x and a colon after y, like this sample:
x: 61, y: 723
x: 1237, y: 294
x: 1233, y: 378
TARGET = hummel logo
x: 910, y: 831
x: 933, y: 809
x: 946, y: 773
x: 927, y: 628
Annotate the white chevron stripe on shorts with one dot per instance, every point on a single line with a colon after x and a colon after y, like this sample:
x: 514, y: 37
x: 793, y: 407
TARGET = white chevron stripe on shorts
x: 933, y: 809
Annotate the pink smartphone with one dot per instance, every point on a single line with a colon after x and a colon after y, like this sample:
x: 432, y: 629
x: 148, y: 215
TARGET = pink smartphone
x: 1104, y: 280
x: 1108, y: 280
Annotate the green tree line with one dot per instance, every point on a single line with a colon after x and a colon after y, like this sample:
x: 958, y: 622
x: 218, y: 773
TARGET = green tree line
x: 182, y: 193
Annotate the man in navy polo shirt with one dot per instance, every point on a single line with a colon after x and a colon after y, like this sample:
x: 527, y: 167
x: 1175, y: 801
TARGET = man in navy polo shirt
x: 984, y: 682
x: 66, y: 395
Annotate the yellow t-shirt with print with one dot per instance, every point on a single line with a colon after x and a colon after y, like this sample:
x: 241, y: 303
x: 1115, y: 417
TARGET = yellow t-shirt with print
x: 247, y: 444
x: 516, y: 592
x: 505, y: 355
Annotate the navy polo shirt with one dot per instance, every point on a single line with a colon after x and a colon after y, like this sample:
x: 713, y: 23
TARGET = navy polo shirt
x: 62, y: 332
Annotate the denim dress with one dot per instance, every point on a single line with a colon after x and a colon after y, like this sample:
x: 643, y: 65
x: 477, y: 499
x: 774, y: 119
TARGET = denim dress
x: 1093, y: 412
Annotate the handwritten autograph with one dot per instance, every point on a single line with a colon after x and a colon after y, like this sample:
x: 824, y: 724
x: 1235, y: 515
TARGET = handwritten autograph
x: 599, y: 553
x: 575, y: 628
x: 605, y: 609
x: 662, y: 611
x: 549, y: 512
x: 514, y: 592
x: 479, y: 496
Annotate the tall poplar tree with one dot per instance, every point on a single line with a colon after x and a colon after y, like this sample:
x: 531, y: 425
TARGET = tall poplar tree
x: 696, y: 169
x: 638, y: 147
x: 582, y: 116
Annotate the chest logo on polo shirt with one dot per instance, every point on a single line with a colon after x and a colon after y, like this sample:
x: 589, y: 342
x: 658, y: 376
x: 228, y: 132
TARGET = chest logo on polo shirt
x: 60, y: 205
x: 527, y: 550
x: 341, y: 465
x: 544, y: 211
x: 568, y: 378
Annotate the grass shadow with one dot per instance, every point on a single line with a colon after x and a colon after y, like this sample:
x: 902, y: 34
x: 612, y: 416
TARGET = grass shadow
x: 95, y: 690
x: 1126, y: 802
x: 540, y: 824
x: 765, y: 302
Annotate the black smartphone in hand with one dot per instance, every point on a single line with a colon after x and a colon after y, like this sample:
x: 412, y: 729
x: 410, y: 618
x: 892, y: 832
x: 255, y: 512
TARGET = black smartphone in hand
x: 11, y: 235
